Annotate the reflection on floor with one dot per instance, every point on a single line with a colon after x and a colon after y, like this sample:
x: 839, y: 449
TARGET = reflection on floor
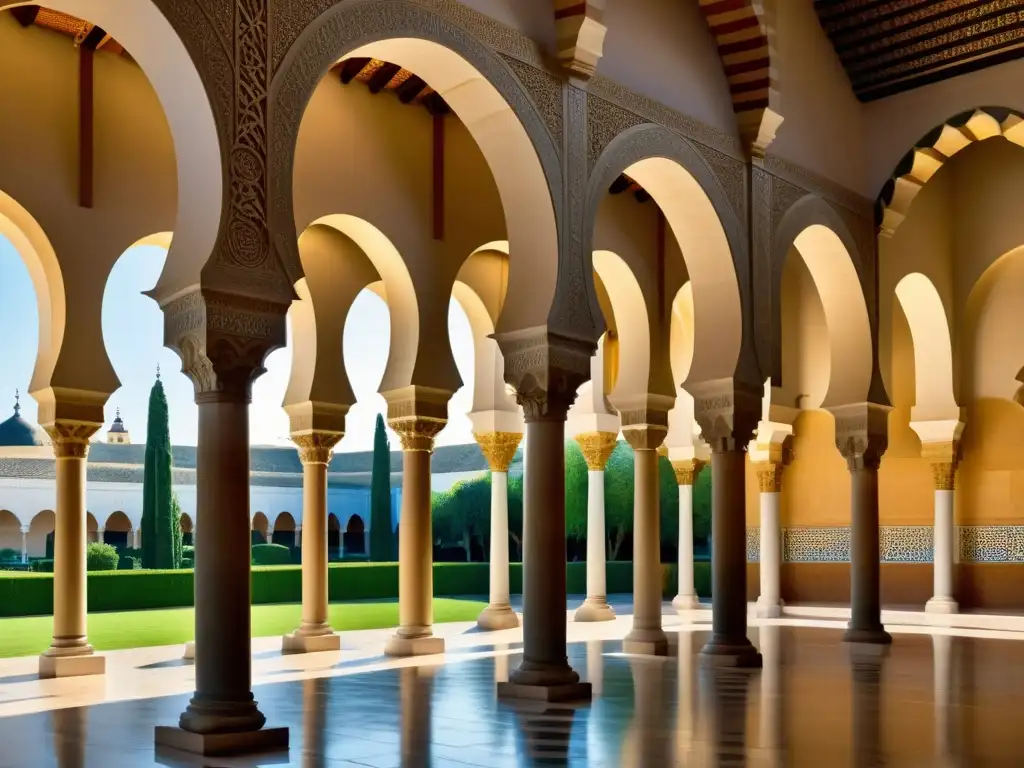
x: 933, y: 700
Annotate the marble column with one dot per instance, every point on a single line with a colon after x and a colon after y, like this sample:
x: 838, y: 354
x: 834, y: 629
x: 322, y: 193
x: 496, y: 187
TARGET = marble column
x: 24, y: 544
x: 70, y: 654
x: 769, y: 478
x: 415, y: 635
x: 944, y: 536
x: 100, y: 533
x: 137, y: 537
x: 597, y: 448
x: 270, y: 533
x: 298, y: 535
x: 687, y: 471
x: 861, y: 437
x: 647, y: 635
x: 498, y: 448
x: 315, y: 633
x: 544, y: 672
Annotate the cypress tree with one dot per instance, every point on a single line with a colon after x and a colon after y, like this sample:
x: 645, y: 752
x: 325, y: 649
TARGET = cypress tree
x: 157, y: 511
x: 381, y: 544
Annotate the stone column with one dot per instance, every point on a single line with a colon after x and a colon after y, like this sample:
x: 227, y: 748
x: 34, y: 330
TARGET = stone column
x: 315, y: 633
x: 727, y: 412
x: 70, y: 654
x: 100, y: 533
x: 298, y: 534
x: 943, y: 458
x: 270, y: 530
x: 687, y: 471
x: 415, y: 635
x: 24, y: 544
x: 769, y: 478
x: 646, y: 636
x: 137, y: 537
x: 498, y: 448
x: 862, y: 438
x: 597, y: 448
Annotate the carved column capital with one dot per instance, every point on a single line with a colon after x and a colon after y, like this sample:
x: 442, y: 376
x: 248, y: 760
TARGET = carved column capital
x: 727, y: 411
x: 223, y: 341
x: 687, y: 471
x: 862, y: 434
x: 316, y: 447
x: 545, y: 369
x: 597, y: 448
x: 417, y: 414
x: 499, y: 448
x: 769, y: 476
x: 943, y: 457
x: 71, y: 438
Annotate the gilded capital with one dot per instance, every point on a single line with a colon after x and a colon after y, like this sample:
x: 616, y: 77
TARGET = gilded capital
x: 943, y: 457
x: 597, y: 448
x: 71, y: 438
x: 769, y: 476
x: 499, y: 448
x: 418, y: 433
x: 687, y: 471
x: 317, y: 446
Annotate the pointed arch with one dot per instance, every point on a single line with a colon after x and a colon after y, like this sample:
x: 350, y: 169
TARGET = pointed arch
x: 933, y: 349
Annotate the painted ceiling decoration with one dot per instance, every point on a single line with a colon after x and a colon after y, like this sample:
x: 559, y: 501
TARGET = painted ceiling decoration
x: 933, y: 150
x: 889, y: 46
x: 82, y: 33
x: 381, y: 76
x: 743, y: 33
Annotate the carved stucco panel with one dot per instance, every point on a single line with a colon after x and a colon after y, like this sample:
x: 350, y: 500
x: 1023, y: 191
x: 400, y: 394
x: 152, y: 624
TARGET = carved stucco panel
x: 546, y: 90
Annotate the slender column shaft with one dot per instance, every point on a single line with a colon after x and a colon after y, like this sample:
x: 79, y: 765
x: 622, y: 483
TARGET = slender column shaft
x: 597, y: 589
x: 647, y: 635
x: 729, y: 645
x: 24, y: 543
x: 69, y: 580
x: 223, y: 701
x: 686, y: 586
x: 865, y: 570
x: 944, y: 544
x: 415, y: 555
x: 499, y: 589
x: 137, y: 537
x: 769, y: 603
x: 314, y: 554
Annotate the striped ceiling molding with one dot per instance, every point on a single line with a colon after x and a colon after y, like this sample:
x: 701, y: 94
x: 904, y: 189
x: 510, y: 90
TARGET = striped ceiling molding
x: 580, y: 31
x: 933, y: 150
x: 744, y: 34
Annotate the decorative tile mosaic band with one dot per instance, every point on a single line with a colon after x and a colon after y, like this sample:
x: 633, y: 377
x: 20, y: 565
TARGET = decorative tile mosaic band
x: 897, y: 544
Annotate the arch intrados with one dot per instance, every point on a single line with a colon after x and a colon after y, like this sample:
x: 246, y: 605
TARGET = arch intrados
x: 355, y: 525
x: 186, y: 523
x: 7, y: 517
x: 977, y: 301
x: 481, y: 90
x: 260, y: 522
x: 933, y: 350
x: 284, y: 522
x: 117, y: 521
x: 631, y: 320
x: 400, y: 293
x: 333, y: 523
x: 43, y: 517
x: 681, y: 333
x: 846, y: 315
x: 144, y: 30
x: 90, y: 522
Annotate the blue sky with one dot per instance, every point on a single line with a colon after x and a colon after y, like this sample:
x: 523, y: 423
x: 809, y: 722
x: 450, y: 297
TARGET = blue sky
x: 133, y: 330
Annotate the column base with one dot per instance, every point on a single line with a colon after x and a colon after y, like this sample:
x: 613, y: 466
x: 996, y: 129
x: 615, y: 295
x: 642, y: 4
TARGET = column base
x: 942, y: 605
x: 190, y: 650
x: 686, y: 603
x: 297, y: 642
x: 497, y: 617
x: 646, y: 642
x: 78, y: 663
x: 414, y: 646
x: 768, y: 610
x: 870, y: 636
x: 208, y: 744
x: 553, y: 693
x: 720, y: 652
x: 594, y: 609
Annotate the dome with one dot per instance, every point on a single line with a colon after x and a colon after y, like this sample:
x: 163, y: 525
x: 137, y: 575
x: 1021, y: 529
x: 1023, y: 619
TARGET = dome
x: 18, y: 432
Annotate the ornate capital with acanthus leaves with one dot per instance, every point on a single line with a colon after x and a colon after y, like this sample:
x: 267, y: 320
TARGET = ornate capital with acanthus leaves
x: 545, y: 369
x: 223, y: 341
x: 943, y: 458
x: 597, y: 448
x: 727, y: 411
x: 687, y: 471
x: 769, y: 476
x: 316, y: 447
x: 862, y: 434
x: 417, y: 414
x: 499, y: 448
x: 71, y: 438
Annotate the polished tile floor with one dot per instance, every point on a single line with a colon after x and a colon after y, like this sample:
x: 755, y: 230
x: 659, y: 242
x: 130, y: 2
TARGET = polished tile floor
x: 934, y: 700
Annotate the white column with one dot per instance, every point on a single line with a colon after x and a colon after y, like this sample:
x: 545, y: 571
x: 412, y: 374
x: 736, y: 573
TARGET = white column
x: 499, y: 448
x: 769, y: 603
x: 597, y: 448
x: 270, y: 535
x: 686, y: 475
x: 137, y: 537
x: 298, y: 536
x: 942, y: 600
x: 940, y: 447
x: 24, y: 544
x: 99, y: 535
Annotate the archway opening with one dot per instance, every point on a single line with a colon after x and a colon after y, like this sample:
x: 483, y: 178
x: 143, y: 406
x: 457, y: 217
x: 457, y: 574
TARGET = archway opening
x: 334, y: 551
x: 284, y: 530
x: 187, y: 530
x: 10, y: 537
x: 355, y: 537
x: 117, y: 530
x: 40, y: 535
x: 260, y: 525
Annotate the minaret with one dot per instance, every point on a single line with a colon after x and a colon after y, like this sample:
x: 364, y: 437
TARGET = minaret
x: 118, y: 435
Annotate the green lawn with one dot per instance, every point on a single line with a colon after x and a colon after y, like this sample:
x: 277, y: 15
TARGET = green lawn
x: 138, y: 629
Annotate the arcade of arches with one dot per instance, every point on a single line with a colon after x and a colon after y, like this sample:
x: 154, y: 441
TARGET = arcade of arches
x: 802, y: 294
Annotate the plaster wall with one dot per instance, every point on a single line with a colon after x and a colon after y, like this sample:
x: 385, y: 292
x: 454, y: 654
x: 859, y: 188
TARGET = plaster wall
x: 665, y: 51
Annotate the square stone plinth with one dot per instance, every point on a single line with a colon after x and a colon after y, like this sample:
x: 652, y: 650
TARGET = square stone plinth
x: 555, y: 693
x: 211, y: 744
x: 72, y: 666
x: 297, y: 643
x: 414, y: 646
x: 190, y: 650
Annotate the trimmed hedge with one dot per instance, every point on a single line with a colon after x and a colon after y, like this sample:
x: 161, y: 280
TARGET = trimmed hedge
x: 270, y: 554
x: 31, y: 594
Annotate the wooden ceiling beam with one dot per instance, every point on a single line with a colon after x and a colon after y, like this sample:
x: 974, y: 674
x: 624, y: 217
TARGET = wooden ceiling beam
x: 350, y: 68
x: 410, y: 89
x: 25, y: 14
x: 382, y: 77
x: 620, y: 185
x: 93, y: 39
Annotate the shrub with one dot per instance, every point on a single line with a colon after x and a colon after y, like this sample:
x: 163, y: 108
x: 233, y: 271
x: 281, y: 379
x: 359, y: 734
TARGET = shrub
x: 271, y: 554
x: 187, y: 563
x: 9, y: 555
x: 42, y: 566
x: 101, y: 557
x: 127, y: 563
x: 187, y: 550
